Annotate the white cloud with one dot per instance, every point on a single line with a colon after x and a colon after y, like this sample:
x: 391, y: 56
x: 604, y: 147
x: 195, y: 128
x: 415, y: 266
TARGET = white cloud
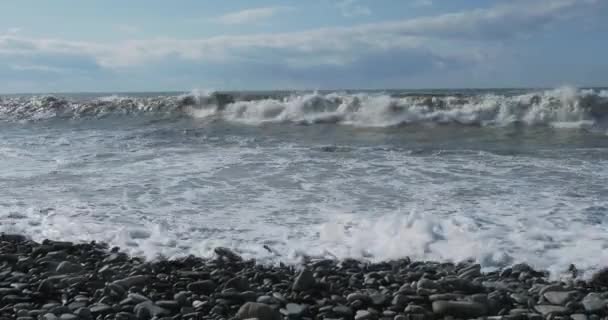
x: 251, y: 15
x: 350, y: 8
x: 469, y: 36
x: 34, y: 67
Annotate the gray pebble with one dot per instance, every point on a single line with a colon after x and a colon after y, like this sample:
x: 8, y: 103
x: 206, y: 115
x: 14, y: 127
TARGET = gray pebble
x: 459, y: 309
x: 559, y: 297
x: 545, y: 309
x: 593, y: 302
x: 257, y: 310
x: 304, y: 280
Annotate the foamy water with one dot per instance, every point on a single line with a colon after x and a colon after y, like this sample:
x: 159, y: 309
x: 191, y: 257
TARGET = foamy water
x: 499, y: 178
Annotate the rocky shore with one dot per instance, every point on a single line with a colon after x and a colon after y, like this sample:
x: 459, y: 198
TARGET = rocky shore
x: 63, y: 280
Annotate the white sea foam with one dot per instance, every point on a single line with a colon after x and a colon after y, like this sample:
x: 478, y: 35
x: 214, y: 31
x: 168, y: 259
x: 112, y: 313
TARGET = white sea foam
x: 565, y: 107
x: 435, y: 192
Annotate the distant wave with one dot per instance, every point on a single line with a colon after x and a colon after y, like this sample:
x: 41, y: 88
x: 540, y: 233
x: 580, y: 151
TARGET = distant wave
x: 564, y: 107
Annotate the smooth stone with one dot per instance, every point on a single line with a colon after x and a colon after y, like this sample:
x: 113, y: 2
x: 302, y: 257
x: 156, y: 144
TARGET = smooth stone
x: 168, y: 304
x: 67, y: 267
x: 445, y: 296
x: 518, y: 311
x: 400, y: 317
x: 343, y: 311
x: 84, y: 313
x: 378, y: 299
x: 49, y: 316
x: 459, y: 309
x: 295, y: 310
x: 125, y: 316
x: 600, y: 278
x: 132, y: 281
x: 227, y: 253
x: 519, y: 298
x: 150, y: 309
x: 100, y: 308
x: 426, y: 284
x: 400, y: 300
x: 137, y: 298
x: 238, y: 283
x: 202, y: 287
x: 412, y: 308
x: 550, y: 287
x: 76, y: 305
x: 546, y: 309
x: 470, y: 274
x: 196, y: 304
x: 363, y: 315
x: 181, y: 298
x: 578, y: 316
x: 68, y: 316
x: 268, y: 300
x: 305, y: 280
x: 257, y: 310
x: 389, y: 313
x: 60, y: 310
x: 357, y: 296
x: 593, y: 302
x: 559, y: 297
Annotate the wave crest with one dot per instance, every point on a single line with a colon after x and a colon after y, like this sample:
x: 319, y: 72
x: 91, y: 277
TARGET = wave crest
x: 562, y: 107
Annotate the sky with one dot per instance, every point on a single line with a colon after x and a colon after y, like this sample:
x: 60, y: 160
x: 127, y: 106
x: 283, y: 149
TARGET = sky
x: 153, y: 45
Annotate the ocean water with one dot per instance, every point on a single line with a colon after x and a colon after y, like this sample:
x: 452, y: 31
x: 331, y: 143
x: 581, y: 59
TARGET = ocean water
x: 498, y: 176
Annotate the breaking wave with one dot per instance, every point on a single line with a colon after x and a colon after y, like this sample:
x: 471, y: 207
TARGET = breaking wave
x: 564, y: 107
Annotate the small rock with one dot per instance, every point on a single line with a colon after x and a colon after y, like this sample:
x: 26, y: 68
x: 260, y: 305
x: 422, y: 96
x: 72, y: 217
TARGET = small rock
x: 228, y: 254
x: 427, y: 284
x: 84, y: 313
x: 67, y: 267
x: 100, y: 308
x: 168, y: 304
x: 559, y: 297
x: 415, y: 309
x: 268, y: 300
x: 343, y: 311
x: 257, y: 310
x: 546, y: 309
x: 400, y: 300
x: 593, y: 302
x: 133, y: 281
x: 357, y: 296
x: 445, y: 296
x: 378, y: 299
x: 68, y: 316
x: 49, y: 316
x: 149, y: 308
x: 600, y: 278
x: 202, y: 287
x: 304, y: 281
x: 578, y: 316
x: 459, y: 309
x: 294, y: 310
x: 363, y: 315
x: 181, y: 298
x: 238, y: 283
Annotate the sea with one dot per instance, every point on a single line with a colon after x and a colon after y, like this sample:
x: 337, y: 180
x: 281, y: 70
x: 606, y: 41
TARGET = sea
x: 498, y: 176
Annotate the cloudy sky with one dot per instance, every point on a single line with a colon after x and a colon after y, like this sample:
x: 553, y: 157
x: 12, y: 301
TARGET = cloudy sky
x: 153, y: 45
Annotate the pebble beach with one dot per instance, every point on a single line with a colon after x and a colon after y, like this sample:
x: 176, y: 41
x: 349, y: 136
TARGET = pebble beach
x: 65, y: 280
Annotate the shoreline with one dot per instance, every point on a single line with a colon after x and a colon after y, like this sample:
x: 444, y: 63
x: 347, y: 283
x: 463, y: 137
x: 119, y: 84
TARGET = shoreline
x: 65, y: 280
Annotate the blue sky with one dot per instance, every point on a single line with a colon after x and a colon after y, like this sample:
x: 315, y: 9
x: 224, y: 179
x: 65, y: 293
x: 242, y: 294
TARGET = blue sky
x: 151, y: 45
